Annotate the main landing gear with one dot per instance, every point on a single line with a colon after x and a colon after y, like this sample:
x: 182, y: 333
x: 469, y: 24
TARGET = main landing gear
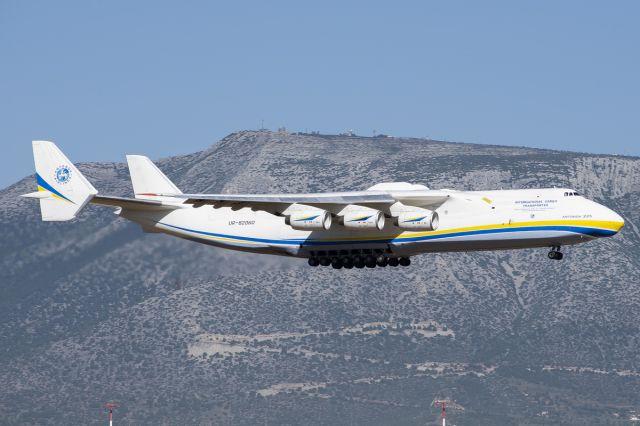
x: 555, y: 253
x: 359, y: 261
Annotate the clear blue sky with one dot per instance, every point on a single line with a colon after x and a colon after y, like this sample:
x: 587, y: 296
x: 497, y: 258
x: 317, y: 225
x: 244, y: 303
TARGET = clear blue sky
x: 106, y: 78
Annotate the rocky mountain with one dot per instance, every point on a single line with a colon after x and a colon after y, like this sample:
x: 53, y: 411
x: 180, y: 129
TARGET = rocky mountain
x: 94, y: 310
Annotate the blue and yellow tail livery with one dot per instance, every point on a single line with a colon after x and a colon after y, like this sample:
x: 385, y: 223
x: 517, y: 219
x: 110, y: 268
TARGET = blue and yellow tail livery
x: 61, y: 189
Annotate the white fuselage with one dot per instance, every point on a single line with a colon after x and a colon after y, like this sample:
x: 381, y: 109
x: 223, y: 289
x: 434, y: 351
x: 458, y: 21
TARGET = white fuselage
x: 478, y: 220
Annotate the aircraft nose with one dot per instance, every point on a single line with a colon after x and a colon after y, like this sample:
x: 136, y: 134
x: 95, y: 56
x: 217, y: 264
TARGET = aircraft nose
x: 617, y: 222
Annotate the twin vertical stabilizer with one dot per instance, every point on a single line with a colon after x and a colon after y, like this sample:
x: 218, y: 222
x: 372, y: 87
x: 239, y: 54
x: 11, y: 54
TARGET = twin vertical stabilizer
x: 63, y: 191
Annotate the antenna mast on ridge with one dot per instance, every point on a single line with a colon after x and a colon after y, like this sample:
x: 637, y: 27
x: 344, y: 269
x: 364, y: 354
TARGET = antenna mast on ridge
x: 443, y: 413
x: 110, y: 407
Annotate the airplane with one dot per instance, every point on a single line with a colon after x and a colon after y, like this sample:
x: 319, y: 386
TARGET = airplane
x: 382, y: 226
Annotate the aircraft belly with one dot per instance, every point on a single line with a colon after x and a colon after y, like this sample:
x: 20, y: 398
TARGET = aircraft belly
x: 515, y: 240
x: 415, y: 245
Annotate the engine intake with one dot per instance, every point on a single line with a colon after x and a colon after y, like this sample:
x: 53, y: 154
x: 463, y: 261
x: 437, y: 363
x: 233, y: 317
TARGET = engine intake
x: 418, y: 220
x: 319, y: 219
x: 373, y: 219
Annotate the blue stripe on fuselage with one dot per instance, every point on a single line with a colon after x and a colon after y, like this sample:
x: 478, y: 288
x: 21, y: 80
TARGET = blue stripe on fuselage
x: 594, y: 232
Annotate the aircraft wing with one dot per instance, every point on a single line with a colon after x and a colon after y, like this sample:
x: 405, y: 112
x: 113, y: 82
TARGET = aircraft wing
x: 331, y: 201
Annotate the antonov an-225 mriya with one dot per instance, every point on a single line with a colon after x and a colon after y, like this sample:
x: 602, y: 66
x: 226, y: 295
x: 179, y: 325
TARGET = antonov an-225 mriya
x: 381, y: 226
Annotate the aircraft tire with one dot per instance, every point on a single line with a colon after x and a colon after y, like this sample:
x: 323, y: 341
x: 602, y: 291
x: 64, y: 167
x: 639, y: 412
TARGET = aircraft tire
x: 405, y: 261
x: 393, y: 262
x: 370, y: 262
x: 313, y: 261
x: 336, y: 262
x: 382, y: 261
x: 555, y: 255
x: 325, y: 261
x: 347, y: 262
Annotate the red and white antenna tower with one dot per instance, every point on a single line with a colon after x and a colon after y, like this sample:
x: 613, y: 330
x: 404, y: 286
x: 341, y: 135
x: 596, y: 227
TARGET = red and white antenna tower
x: 110, y: 407
x: 443, y: 413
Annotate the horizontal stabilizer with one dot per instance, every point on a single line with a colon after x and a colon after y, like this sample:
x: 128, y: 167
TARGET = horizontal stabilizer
x: 38, y: 194
x: 132, y: 203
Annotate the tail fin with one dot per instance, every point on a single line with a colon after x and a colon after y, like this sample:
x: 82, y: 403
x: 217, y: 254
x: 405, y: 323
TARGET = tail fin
x: 62, y: 190
x: 149, y: 183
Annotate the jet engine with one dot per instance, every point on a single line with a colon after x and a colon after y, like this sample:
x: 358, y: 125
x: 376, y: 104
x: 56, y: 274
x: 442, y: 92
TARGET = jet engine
x: 305, y: 220
x: 367, y: 219
x: 424, y: 220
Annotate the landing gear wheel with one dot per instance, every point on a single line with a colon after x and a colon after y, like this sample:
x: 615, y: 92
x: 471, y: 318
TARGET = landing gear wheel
x: 325, y: 261
x: 405, y: 261
x: 370, y: 262
x: 313, y: 261
x: 393, y: 261
x: 347, y: 262
x: 382, y: 261
x: 555, y: 254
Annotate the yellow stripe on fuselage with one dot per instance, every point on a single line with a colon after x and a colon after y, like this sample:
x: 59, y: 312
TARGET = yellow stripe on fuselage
x: 601, y: 224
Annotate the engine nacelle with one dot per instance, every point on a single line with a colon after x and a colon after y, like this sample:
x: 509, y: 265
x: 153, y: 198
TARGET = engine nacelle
x: 418, y: 220
x: 372, y: 219
x: 318, y: 219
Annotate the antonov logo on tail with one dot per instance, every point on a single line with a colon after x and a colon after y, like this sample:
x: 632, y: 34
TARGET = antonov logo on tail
x: 63, y: 174
x: 334, y: 228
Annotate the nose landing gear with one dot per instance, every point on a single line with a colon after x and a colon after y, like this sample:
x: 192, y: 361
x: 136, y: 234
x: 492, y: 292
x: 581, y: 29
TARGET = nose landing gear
x: 555, y: 253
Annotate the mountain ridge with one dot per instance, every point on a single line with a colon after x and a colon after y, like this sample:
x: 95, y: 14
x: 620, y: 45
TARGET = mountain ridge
x: 95, y: 309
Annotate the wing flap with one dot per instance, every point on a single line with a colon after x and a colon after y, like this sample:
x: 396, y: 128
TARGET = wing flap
x: 330, y: 201
x: 326, y: 198
x: 277, y: 203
